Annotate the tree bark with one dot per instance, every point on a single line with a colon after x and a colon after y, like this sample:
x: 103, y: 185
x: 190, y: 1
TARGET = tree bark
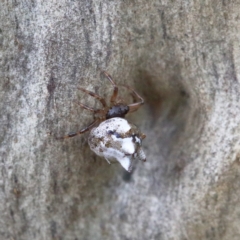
x: 182, y: 57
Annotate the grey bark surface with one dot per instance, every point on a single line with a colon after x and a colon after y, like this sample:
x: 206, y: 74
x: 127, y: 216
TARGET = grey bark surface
x: 183, y: 57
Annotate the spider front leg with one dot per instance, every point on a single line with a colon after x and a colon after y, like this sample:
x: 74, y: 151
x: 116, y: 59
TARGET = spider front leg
x: 95, y: 111
x: 86, y: 129
x: 101, y: 99
x: 115, y: 90
x: 136, y: 105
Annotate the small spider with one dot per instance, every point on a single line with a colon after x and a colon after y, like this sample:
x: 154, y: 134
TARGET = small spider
x: 114, y: 138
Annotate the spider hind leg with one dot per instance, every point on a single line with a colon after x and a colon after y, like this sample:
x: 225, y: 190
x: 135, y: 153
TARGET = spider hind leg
x: 86, y: 129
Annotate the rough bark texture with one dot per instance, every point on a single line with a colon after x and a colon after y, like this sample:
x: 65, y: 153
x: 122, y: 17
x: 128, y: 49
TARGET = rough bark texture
x: 183, y: 57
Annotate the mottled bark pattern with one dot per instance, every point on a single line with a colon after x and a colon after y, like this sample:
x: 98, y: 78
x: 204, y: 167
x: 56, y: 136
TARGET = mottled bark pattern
x: 183, y: 57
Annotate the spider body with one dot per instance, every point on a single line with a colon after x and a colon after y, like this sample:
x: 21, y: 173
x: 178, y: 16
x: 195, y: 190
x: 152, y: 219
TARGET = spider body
x: 119, y: 110
x: 114, y: 138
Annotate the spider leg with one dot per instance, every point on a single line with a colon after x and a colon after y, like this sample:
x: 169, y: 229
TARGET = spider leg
x: 89, y: 108
x: 89, y: 127
x: 108, y: 161
x: 115, y: 88
x: 103, y: 102
x: 136, y: 97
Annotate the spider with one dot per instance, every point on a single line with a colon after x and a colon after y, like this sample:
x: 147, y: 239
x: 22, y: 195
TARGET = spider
x: 114, y: 138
